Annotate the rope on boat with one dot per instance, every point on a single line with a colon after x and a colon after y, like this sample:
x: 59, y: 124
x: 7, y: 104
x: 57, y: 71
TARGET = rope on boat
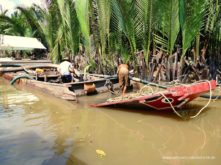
x: 176, y: 83
x: 207, y: 96
x: 199, y: 112
x: 133, y: 95
x: 146, y: 86
x: 172, y: 107
x: 178, y: 114
x: 213, y: 97
x: 210, y: 92
x: 174, y: 110
x: 19, y: 77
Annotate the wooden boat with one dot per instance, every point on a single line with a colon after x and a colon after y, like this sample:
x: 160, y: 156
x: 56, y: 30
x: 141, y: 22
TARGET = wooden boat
x: 171, y: 98
x: 48, y: 82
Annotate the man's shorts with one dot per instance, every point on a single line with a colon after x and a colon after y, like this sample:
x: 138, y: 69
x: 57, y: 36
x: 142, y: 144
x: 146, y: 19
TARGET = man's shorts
x: 66, y: 78
x: 123, y: 76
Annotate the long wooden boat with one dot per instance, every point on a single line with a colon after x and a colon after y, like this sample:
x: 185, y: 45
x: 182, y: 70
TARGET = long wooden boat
x: 172, y: 97
x: 48, y: 83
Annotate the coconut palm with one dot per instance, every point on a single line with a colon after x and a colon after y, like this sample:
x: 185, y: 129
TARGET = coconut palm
x: 120, y: 27
x: 144, y: 24
x: 57, y: 26
x: 193, y: 22
x: 124, y: 16
x: 167, y: 25
x: 213, y: 30
x: 15, y: 24
x: 82, y: 9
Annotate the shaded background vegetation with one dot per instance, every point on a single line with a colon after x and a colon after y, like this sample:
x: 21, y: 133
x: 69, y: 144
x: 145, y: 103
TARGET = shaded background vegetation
x: 108, y: 29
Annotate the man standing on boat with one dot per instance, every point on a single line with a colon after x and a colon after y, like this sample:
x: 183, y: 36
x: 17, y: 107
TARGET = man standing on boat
x: 123, y: 77
x: 66, y: 69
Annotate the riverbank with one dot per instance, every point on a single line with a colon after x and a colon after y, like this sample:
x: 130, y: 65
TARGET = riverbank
x: 37, y: 129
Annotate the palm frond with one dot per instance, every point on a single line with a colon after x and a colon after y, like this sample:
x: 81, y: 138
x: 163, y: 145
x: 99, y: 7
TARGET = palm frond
x: 123, y: 19
x: 17, y: 27
x: 212, y: 11
x: 82, y: 10
x: 168, y: 25
x: 104, y: 14
x: 195, y: 12
x: 33, y: 22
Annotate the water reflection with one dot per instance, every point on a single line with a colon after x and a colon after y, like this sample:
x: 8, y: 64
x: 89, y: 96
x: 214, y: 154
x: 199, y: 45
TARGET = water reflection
x: 45, y: 130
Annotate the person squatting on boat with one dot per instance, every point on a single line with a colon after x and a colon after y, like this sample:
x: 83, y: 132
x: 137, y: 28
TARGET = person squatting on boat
x: 123, y: 77
x: 68, y: 72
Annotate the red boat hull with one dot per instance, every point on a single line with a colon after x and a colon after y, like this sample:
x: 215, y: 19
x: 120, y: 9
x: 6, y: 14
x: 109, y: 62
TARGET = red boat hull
x: 172, y: 97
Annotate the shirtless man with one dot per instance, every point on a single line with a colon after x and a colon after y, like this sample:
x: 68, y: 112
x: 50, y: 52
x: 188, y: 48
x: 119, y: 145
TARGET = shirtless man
x: 123, y: 76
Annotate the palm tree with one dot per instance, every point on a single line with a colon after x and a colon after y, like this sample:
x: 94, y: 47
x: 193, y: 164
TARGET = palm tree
x: 193, y: 22
x: 144, y: 24
x: 15, y: 24
x: 119, y: 27
x: 57, y: 26
x: 82, y: 10
x: 124, y: 14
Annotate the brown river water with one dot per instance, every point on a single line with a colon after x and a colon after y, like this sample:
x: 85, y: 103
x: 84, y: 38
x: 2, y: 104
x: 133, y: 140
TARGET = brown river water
x: 37, y: 129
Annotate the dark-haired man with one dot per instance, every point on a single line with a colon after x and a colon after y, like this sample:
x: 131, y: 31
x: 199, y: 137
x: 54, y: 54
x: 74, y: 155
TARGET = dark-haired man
x: 67, y: 71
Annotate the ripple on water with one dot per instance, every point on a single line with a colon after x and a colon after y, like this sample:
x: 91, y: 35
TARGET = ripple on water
x: 12, y: 99
x: 51, y: 131
x: 21, y: 140
x: 12, y: 104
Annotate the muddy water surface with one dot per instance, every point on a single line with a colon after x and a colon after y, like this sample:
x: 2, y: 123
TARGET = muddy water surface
x: 37, y: 129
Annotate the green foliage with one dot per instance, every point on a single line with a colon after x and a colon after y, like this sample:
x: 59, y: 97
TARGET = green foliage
x: 82, y: 10
x: 168, y: 26
x: 104, y: 14
x: 16, y: 24
x: 194, y: 14
x: 123, y: 18
x: 118, y: 27
x: 144, y: 23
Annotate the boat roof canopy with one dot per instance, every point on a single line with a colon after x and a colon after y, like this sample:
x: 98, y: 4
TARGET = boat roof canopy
x: 8, y: 42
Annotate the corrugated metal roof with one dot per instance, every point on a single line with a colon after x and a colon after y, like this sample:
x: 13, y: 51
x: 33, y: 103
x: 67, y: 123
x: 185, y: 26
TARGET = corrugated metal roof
x: 8, y: 42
